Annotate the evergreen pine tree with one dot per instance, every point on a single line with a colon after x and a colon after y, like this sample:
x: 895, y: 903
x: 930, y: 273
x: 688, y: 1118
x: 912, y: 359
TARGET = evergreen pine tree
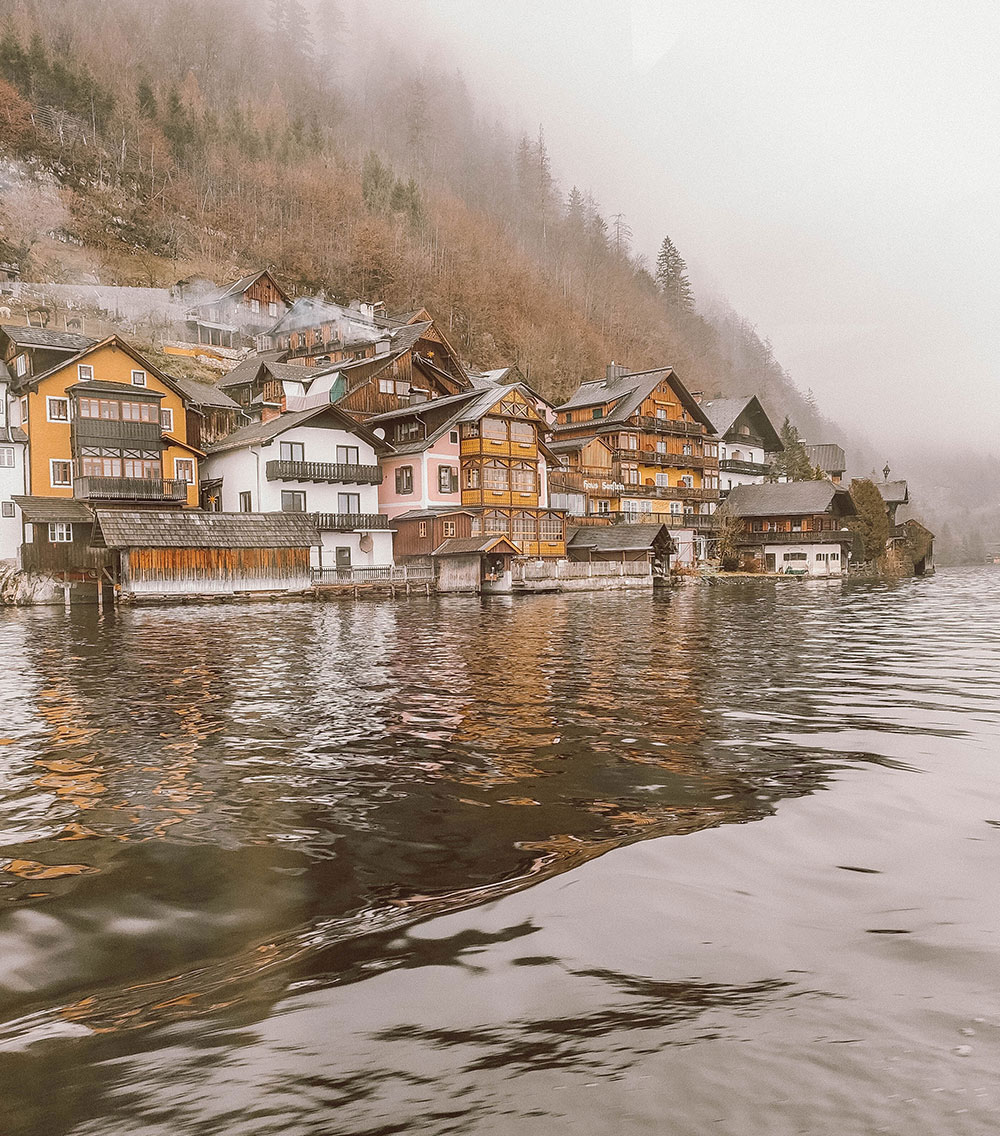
x: 671, y: 277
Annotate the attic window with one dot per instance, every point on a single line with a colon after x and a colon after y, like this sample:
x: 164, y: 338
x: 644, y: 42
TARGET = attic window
x: 745, y: 430
x: 138, y: 378
x: 85, y: 372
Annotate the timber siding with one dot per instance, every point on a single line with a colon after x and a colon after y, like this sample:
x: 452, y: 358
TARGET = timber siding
x: 214, y: 571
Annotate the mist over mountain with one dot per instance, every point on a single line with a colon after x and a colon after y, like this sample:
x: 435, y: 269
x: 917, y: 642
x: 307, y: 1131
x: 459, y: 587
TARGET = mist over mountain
x: 142, y: 143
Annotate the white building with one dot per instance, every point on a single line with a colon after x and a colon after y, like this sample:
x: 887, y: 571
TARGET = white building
x: 318, y: 461
x: 13, y: 451
x: 746, y: 437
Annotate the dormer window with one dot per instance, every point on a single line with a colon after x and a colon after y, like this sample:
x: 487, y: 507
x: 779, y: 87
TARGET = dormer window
x: 21, y: 365
x: 85, y: 373
x: 138, y: 378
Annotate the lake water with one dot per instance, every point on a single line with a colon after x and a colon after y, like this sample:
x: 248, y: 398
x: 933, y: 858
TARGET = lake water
x: 725, y: 859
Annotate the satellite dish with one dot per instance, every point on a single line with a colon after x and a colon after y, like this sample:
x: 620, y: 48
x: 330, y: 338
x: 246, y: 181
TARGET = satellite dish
x: 379, y: 433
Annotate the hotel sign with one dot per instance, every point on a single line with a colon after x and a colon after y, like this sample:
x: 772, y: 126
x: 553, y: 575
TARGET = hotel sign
x: 605, y: 486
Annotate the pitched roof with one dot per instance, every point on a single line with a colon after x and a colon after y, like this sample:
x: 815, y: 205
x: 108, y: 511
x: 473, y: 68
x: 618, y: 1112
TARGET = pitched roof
x: 249, y: 370
x: 41, y: 510
x: 894, y: 492
x: 260, y: 433
x: 12, y: 434
x: 627, y: 392
x: 191, y: 528
x: 237, y: 288
x: 725, y: 412
x: 44, y: 337
x: 206, y: 394
x: 466, y: 545
x: 787, y: 498
x: 615, y: 538
x: 828, y: 457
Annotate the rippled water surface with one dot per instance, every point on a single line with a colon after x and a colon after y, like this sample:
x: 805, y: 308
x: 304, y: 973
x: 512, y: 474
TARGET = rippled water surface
x: 721, y: 860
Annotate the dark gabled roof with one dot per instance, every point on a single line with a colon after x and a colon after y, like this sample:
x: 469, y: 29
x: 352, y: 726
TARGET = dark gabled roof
x: 249, y: 370
x: 105, y: 386
x: 788, y: 499
x: 434, y: 511
x: 724, y: 412
x: 205, y: 394
x: 627, y: 392
x: 466, y: 545
x: 615, y: 538
x: 260, y: 433
x: 894, y: 492
x: 451, y: 400
x: 191, y: 528
x: 44, y: 337
x: 237, y: 288
x: 41, y: 510
x: 828, y: 456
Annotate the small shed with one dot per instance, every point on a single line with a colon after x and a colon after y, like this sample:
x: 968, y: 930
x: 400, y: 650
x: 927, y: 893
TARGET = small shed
x: 190, y: 552
x: 650, y: 542
x: 58, y: 538
x: 475, y: 564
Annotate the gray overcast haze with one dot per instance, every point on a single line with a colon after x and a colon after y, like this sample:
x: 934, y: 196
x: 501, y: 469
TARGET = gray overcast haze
x: 829, y: 168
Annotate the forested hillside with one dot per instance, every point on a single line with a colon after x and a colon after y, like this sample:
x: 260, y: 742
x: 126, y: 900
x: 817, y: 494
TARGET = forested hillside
x: 216, y: 136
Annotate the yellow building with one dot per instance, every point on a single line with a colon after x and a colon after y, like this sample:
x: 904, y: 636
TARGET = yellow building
x: 107, y: 426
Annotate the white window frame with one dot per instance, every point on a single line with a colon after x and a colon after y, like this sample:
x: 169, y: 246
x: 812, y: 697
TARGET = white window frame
x: 24, y: 409
x: 272, y: 308
x: 7, y: 509
x: 60, y: 532
x: 21, y: 365
x: 85, y: 372
x: 5, y: 453
x: 386, y: 386
x: 50, y: 399
x: 53, y: 484
x: 166, y: 419
x: 138, y: 378
x: 187, y: 462
x: 662, y: 480
x: 254, y: 306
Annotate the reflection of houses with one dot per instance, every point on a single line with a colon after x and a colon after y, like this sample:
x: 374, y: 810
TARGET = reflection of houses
x: 317, y: 461
x: 794, y: 526
x: 831, y: 460
x: 637, y: 446
x: 746, y: 437
x: 481, y: 455
x: 233, y: 315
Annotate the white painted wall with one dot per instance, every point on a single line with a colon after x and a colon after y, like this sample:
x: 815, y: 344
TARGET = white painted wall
x: 245, y: 470
x: 12, y: 482
x: 747, y: 453
x: 821, y: 559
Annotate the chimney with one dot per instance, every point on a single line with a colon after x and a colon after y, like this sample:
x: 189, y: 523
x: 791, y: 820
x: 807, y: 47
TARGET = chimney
x: 615, y: 370
x: 698, y: 396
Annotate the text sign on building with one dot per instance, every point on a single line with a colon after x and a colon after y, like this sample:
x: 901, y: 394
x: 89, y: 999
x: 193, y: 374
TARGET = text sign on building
x: 605, y: 486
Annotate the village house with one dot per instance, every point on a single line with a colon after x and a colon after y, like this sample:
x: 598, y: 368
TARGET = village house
x: 470, y: 465
x: 638, y: 447
x: 793, y: 527
x: 233, y: 315
x: 746, y: 436
x: 830, y: 458
x: 34, y: 350
x: 13, y: 448
x: 317, y: 461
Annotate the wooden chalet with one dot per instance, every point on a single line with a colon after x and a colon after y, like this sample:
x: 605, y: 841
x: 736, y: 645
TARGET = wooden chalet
x: 232, y: 316
x: 645, y: 543
x: 29, y: 351
x: 793, y: 527
x: 830, y: 458
x: 746, y: 436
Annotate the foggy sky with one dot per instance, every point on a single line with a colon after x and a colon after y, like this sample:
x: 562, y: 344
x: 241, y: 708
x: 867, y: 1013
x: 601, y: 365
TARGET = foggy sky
x: 829, y: 167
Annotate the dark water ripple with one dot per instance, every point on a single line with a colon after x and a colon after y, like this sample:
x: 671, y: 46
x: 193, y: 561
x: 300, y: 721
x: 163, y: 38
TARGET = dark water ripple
x: 367, y: 867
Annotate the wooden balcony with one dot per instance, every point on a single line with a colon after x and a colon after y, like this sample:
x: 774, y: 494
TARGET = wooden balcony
x: 673, y: 461
x: 129, y: 489
x: 352, y: 522
x: 809, y: 536
x: 105, y: 431
x: 667, y: 425
x: 341, y: 474
x: 685, y: 520
x: 734, y: 465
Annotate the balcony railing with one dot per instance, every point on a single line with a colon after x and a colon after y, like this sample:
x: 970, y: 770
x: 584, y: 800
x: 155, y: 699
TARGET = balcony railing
x: 87, y: 431
x: 674, y: 461
x: 339, y: 472
x: 810, y: 536
x: 686, y: 520
x: 572, y: 481
x: 735, y: 465
x: 667, y: 425
x: 373, y: 574
x: 129, y: 489
x: 351, y: 522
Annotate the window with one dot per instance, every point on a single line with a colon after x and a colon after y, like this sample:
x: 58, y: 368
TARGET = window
x: 21, y: 365
x: 6, y: 509
x: 101, y: 466
x: 795, y: 556
x: 84, y: 372
x: 686, y: 449
x: 663, y: 480
x: 293, y: 501
x: 447, y: 479
x: 453, y: 437
x: 386, y: 386
x: 347, y: 455
x: 6, y: 457
x: 407, y: 431
x: 57, y: 409
x: 525, y: 527
x: 138, y: 378
x: 402, y: 388
x: 255, y: 306
x: 495, y: 429
x: 661, y: 447
x: 166, y: 420
x: 404, y: 479
x: 24, y: 410
x: 272, y: 308
x: 147, y: 469
x: 472, y: 477
x: 630, y: 474
x: 675, y: 508
x: 821, y: 557
x: 246, y: 501
x: 661, y: 413
x: 550, y: 528
x: 745, y: 430
x: 497, y: 524
x: 293, y: 451
x: 60, y: 532
x: 60, y: 473
x: 496, y: 477
x: 602, y: 506
x: 450, y: 528
x: 423, y: 528
x: 184, y: 470
x: 470, y: 429
x: 522, y: 433
x: 523, y: 478
x: 598, y: 412
x: 687, y: 481
x: 348, y: 502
